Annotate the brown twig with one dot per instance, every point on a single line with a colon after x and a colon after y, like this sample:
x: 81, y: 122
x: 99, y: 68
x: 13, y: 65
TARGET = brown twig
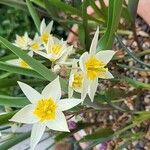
x: 135, y: 36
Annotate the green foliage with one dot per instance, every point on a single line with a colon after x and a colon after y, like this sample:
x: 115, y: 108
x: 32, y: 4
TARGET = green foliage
x: 25, y: 16
x: 114, y: 13
x: 132, y: 8
x: 34, y: 14
x: 15, y: 140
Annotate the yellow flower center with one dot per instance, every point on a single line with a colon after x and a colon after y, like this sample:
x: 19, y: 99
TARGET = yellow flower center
x: 23, y: 64
x: 77, y: 81
x: 46, y: 109
x: 35, y: 46
x: 94, y: 67
x: 55, y: 49
x: 45, y: 37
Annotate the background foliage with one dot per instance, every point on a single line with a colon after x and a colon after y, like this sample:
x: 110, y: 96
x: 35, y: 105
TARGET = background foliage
x: 19, y: 16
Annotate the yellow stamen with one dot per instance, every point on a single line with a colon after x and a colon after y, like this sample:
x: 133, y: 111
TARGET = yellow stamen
x: 46, y: 109
x: 77, y: 81
x: 55, y: 49
x: 23, y: 64
x: 35, y: 46
x: 44, y: 37
x: 94, y: 67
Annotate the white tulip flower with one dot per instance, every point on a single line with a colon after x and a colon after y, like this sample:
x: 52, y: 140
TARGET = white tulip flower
x: 46, y: 110
x: 36, y: 43
x: 94, y: 66
x: 55, y: 49
x: 45, y: 31
x: 22, y: 41
x: 76, y: 79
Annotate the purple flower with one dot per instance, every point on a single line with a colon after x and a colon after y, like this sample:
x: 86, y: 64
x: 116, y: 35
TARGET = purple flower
x: 103, y: 146
x: 72, y: 125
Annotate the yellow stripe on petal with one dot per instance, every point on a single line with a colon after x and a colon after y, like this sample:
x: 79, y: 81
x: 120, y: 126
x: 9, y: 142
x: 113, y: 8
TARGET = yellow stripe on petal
x: 23, y: 64
x: 44, y: 37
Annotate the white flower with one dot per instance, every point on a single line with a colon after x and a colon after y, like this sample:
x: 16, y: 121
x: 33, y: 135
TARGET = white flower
x: 94, y: 66
x: 19, y: 62
x: 22, y: 41
x: 45, y: 110
x: 36, y: 43
x: 76, y: 79
x: 45, y: 31
x: 55, y: 48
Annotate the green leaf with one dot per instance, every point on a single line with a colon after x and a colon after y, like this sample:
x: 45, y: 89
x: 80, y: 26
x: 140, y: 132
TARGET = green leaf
x: 81, y: 34
x: 9, y: 82
x: 5, y: 75
x: 5, y: 117
x: 15, y: 4
x: 19, y: 70
x: 66, y: 8
x: 13, y: 101
x: 114, y: 13
x: 136, y: 83
x: 34, y: 64
x: 133, y: 68
x: 126, y: 15
x: 114, y: 93
x: 8, y: 57
x: 85, y: 25
x: 100, y: 135
x: 17, y: 138
x: 132, y: 8
x: 33, y: 14
x: 97, y: 10
x: 141, y: 117
x: 103, y: 7
x: 39, y: 3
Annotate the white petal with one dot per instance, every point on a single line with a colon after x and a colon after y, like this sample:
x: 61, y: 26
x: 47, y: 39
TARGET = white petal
x: 49, y: 43
x: 92, y: 89
x: 26, y: 36
x: 82, y: 60
x: 53, y: 90
x: 30, y: 93
x: 42, y: 26
x: 94, y: 42
x: 65, y: 104
x: 70, y: 92
x: 14, y: 62
x: 30, y: 53
x: 36, y: 37
x: 59, y: 124
x: 25, y: 115
x: 69, y: 51
x: 36, y: 134
x: 107, y: 75
x: 43, y: 54
x: 49, y: 27
x: 85, y: 87
x: 105, y: 56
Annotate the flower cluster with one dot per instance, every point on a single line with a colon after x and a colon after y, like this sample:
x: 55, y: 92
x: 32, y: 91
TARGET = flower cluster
x: 44, y: 44
x: 46, y: 109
